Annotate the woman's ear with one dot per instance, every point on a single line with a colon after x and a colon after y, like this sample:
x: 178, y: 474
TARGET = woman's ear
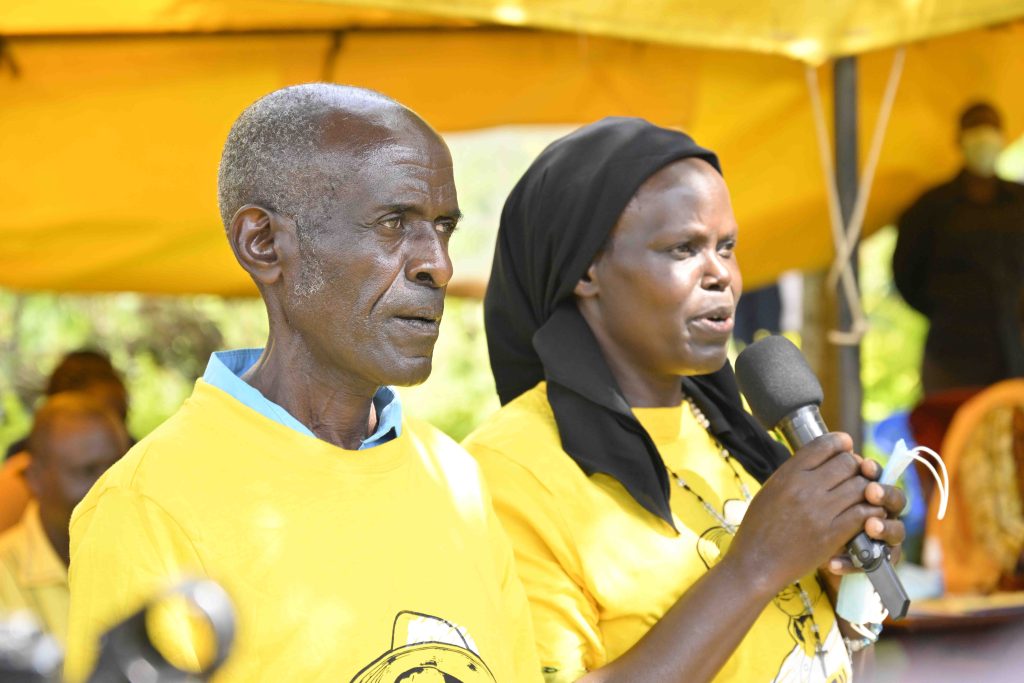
x: 262, y: 239
x: 587, y: 286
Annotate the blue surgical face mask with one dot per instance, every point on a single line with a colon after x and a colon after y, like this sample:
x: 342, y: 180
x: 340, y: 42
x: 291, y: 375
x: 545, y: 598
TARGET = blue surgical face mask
x: 981, y: 146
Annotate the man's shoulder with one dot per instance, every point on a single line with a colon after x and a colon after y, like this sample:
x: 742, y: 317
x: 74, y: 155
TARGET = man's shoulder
x: 12, y: 540
x: 156, y: 464
x: 436, y: 445
x: 1015, y: 189
x: 935, y: 197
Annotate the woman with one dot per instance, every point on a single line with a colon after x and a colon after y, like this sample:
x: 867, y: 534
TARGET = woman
x: 622, y: 461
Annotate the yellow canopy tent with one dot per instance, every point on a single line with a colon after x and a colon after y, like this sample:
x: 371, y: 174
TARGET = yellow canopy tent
x: 113, y: 112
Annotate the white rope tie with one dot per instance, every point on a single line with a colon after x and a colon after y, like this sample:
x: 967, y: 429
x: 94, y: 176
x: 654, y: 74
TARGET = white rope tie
x: 844, y: 237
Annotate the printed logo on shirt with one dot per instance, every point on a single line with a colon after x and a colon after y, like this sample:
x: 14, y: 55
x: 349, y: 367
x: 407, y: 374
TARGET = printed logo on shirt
x: 802, y: 663
x: 427, y: 649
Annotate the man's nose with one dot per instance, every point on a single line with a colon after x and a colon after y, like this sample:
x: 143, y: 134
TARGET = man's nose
x: 428, y: 262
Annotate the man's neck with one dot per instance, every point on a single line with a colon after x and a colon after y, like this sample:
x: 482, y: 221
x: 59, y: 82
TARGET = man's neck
x: 336, y: 408
x: 980, y: 189
x: 60, y: 540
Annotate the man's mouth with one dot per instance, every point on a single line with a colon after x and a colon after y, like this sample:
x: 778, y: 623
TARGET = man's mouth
x: 425, y: 321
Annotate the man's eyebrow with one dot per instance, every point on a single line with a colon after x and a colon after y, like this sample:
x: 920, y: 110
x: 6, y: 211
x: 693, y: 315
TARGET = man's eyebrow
x: 454, y: 214
x: 406, y: 208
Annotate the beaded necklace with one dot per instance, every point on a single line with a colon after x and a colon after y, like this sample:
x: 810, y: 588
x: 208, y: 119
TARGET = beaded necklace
x: 730, y: 526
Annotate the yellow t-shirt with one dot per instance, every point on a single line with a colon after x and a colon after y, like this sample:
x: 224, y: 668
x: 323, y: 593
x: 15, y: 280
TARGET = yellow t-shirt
x: 600, y: 570
x: 32, y: 576
x: 343, y: 566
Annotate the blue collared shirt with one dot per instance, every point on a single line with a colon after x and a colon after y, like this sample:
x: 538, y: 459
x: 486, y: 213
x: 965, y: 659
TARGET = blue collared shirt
x: 225, y: 371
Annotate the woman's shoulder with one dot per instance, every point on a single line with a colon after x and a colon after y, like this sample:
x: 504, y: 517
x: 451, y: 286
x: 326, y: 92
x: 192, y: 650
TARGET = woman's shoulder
x: 522, y: 438
x: 526, y: 419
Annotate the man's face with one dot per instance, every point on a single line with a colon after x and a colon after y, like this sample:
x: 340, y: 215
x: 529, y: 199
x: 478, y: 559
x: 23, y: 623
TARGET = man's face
x: 367, y: 292
x: 981, y: 141
x: 669, y: 280
x: 79, y: 449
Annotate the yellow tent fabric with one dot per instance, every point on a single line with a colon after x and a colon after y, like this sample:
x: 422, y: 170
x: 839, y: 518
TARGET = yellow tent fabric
x: 110, y: 134
x: 807, y: 30
x: 111, y: 17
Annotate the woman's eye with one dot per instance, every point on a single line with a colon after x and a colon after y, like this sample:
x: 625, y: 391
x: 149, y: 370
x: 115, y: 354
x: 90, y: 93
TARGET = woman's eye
x: 392, y: 222
x: 446, y: 227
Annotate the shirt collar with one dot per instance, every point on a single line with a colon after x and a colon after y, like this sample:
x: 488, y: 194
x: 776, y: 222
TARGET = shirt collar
x: 225, y: 371
x: 41, y: 565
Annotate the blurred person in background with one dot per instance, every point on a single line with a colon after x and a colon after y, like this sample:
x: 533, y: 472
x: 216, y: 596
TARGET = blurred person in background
x: 84, y: 370
x: 14, y: 493
x: 74, y: 439
x: 959, y: 260
x: 660, y: 532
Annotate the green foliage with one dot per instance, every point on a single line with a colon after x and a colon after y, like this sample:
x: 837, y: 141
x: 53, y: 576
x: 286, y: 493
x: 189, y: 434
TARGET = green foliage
x: 460, y: 392
x: 892, y: 348
x: 160, y: 345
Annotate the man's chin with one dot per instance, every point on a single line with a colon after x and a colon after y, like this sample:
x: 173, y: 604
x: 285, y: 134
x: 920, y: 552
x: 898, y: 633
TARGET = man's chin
x: 410, y: 372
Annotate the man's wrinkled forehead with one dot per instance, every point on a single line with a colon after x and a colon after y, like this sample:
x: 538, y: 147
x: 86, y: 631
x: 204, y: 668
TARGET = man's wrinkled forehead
x: 393, y: 136
x: 364, y: 132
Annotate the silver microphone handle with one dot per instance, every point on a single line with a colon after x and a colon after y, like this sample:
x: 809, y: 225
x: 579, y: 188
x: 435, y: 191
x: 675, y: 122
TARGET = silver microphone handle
x: 800, y: 428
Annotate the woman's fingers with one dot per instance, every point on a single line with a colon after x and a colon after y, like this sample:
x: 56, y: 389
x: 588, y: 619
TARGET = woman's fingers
x: 851, y: 521
x: 837, y: 470
x: 870, y: 469
x: 888, y: 497
x: 889, y: 531
x: 841, y: 565
x: 820, y: 451
x: 848, y: 493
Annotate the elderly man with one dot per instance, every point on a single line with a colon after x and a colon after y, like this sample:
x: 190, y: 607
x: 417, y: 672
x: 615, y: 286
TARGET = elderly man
x: 74, y: 439
x: 353, y: 539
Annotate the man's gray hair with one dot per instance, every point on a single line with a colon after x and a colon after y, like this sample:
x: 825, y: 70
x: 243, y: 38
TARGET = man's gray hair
x: 273, y: 156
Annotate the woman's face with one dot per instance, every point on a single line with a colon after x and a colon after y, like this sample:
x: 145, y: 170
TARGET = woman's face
x: 662, y: 295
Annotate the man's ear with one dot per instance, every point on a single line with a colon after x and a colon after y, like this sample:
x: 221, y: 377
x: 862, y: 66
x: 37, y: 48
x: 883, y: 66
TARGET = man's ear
x: 587, y: 286
x: 262, y: 239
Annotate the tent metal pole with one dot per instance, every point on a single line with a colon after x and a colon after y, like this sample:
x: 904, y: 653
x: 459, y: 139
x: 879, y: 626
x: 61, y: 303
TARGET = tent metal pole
x: 846, y: 129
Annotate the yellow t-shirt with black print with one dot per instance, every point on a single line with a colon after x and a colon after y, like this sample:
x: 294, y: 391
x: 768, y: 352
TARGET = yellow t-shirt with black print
x: 600, y: 570
x: 343, y: 566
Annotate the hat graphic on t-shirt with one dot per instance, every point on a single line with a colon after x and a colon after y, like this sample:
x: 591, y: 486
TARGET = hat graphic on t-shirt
x: 427, y: 649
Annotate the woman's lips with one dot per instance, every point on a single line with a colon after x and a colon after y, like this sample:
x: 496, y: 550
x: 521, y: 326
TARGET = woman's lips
x: 714, y: 325
x: 717, y: 322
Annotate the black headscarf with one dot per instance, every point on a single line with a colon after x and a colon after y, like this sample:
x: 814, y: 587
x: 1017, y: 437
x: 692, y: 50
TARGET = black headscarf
x: 555, y: 221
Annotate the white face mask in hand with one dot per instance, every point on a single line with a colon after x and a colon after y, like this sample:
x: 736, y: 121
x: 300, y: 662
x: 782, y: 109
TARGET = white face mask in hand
x: 981, y: 146
x: 858, y: 602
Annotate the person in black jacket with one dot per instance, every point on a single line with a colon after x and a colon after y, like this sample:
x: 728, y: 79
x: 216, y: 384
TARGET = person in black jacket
x: 959, y: 260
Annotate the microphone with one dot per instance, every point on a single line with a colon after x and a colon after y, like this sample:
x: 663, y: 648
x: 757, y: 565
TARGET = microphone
x: 784, y: 394
x: 129, y: 654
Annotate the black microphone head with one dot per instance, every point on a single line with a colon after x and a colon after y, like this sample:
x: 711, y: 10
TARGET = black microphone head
x: 775, y: 378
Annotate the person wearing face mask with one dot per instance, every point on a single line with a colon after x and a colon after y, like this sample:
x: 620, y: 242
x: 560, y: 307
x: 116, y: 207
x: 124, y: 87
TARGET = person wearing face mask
x: 959, y: 260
